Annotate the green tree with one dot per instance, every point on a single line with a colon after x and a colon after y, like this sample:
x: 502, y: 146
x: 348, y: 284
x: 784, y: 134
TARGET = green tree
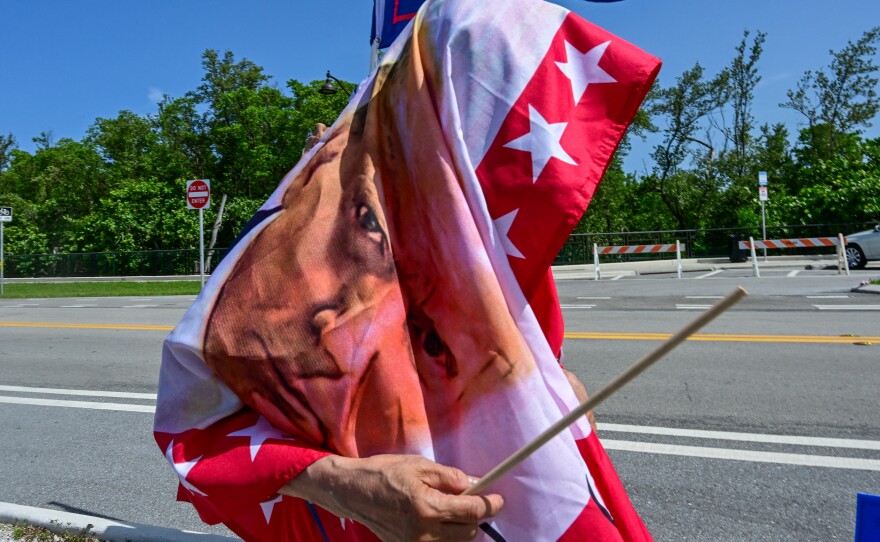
x: 127, y: 144
x: 7, y: 144
x: 59, y: 183
x: 684, y: 176
x: 841, y: 189
x: 143, y: 214
x: 839, y: 100
x: 737, y: 161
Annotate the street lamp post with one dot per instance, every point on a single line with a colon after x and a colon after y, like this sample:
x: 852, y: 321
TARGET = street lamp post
x: 330, y: 88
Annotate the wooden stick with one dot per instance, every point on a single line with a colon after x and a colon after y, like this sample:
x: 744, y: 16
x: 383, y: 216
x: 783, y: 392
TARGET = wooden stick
x: 609, y: 389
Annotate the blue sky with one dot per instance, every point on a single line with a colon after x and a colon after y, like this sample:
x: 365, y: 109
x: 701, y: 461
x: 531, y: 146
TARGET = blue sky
x: 67, y: 62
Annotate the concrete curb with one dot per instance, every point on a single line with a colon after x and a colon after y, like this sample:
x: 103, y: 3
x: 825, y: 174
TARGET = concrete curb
x: 105, y: 529
x: 867, y: 289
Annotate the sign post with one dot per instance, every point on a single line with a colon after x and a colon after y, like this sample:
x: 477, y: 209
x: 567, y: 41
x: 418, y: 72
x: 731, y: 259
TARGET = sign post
x: 198, y: 196
x: 762, y: 196
x: 5, y: 216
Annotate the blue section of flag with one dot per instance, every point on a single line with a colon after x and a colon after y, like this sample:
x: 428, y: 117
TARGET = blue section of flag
x: 390, y: 17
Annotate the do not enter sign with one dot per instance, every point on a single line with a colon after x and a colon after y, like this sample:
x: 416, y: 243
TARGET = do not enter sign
x: 198, y: 194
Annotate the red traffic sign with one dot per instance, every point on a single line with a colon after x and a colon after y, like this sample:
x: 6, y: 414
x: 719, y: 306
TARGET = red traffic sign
x: 198, y: 194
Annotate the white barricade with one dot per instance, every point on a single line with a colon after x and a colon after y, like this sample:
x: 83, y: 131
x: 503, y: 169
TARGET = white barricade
x: 677, y: 247
x: 838, y: 242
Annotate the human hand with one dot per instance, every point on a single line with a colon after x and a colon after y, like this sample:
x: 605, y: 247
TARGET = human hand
x: 398, y: 497
x: 315, y: 137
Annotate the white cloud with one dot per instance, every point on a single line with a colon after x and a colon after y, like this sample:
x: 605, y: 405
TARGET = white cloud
x: 155, y: 94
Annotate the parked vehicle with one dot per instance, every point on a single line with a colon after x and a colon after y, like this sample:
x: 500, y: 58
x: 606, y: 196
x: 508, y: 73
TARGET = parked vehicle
x: 862, y: 247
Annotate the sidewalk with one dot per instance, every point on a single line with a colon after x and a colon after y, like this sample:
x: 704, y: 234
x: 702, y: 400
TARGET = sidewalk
x: 707, y: 265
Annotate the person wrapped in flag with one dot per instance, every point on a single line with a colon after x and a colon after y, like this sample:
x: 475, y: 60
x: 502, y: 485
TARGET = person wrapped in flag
x: 387, y: 327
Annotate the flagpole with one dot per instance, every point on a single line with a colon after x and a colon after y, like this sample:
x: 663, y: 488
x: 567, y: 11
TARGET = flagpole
x: 621, y: 380
x: 374, y: 54
x: 202, y: 246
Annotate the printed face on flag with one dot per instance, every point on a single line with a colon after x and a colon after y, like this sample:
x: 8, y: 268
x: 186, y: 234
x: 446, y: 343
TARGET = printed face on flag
x: 394, y: 293
x: 357, y: 308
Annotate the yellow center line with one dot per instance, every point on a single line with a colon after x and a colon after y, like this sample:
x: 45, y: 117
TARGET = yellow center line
x: 602, y: 336
x: 61, y: 325
x: 826, y: 339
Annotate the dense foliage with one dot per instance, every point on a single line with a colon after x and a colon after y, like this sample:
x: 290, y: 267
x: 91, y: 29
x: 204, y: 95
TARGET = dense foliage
x: 121, y: 186
x: 704, y: 170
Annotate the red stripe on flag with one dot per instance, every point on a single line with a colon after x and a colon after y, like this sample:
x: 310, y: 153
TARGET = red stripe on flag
x: 611, y: 490
x: 550, y: 206
x: 400, y: 17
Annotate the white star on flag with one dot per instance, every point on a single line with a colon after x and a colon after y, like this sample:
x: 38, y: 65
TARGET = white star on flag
x: 182, y: 469
x: 502, y: 224
x: 583, y: 68
x: 269, y: 507
x: 259, y: 433
x: 543, y: 141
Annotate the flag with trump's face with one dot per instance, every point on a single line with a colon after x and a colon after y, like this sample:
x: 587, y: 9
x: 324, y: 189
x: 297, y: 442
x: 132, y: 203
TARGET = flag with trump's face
x: 394, y: 296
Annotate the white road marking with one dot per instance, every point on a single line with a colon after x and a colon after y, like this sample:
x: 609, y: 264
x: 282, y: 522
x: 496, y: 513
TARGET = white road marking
x: 90, y: 393
x: 140, y: 298
x: 703, y: 297
x: 76, y: 306
x: 86, y: 298
x: 827, y: 297
x: 16, y: 306
x: 848, y: 307
x: 616, y: 277
x: 744, y: 437
x: 622, y: 445
x: 680, y: 306
x: 577, y: 306
x: 710, y: 274
x: 745, y: 455
x: 77, y: 404
x: 594, y: 297
x: 793, y: 273
x: 138, y: 306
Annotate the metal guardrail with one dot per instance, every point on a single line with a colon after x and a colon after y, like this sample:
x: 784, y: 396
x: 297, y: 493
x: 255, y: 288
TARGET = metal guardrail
x: 109, y: 264
x: 708, y: 243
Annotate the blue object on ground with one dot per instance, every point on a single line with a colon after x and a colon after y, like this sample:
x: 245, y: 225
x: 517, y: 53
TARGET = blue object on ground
x: 867, y: 518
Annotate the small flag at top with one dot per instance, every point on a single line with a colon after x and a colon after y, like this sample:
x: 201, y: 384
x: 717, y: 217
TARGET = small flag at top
x: 391, y: 16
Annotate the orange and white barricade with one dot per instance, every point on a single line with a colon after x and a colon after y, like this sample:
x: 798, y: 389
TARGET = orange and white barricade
x: 676, y: 247
x: 838, y: 242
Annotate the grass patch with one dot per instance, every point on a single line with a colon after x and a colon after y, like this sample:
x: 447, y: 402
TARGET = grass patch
x: 25, y: 532
x: 18, y: 290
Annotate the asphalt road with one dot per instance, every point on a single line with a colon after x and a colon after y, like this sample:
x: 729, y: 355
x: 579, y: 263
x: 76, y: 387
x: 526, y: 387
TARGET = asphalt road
x: 765, y: 429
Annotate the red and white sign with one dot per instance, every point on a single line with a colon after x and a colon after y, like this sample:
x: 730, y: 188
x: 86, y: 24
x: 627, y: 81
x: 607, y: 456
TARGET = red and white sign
x: 198, y: 194
x: 639, y: 249
x: 809, y: 242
